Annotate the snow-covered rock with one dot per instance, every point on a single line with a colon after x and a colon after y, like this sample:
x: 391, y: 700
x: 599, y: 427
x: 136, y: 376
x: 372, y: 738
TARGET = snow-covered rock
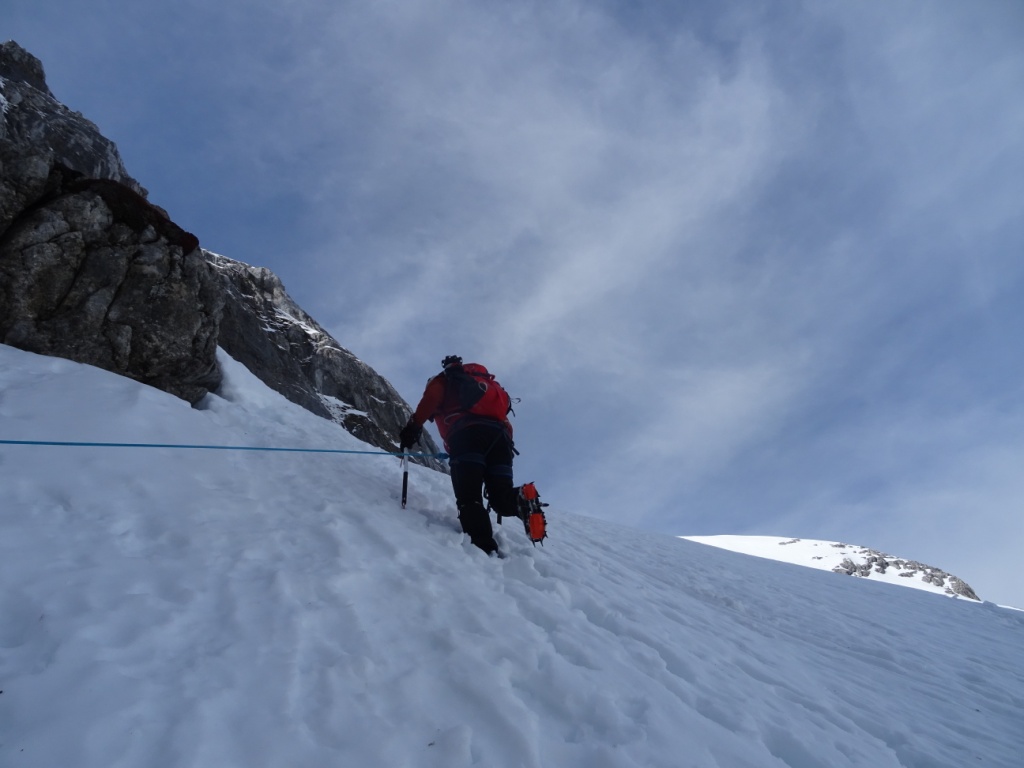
x: 847, y: 559
x: 265, y: 330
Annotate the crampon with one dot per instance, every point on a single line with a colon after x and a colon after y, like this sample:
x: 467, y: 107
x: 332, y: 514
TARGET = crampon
x: 531, y: 512
x: 529, y: 509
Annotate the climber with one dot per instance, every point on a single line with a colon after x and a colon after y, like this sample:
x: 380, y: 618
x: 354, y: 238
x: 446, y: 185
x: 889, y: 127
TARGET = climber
x: 471, y: 410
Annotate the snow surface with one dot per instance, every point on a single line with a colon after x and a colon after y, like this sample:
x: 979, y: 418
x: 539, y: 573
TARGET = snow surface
x: 166, y: 607
x: 824, y: 555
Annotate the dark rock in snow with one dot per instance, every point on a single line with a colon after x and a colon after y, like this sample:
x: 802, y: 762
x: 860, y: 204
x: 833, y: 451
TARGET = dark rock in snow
x: 879, y: 562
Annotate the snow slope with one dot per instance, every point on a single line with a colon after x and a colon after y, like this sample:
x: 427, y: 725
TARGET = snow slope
x: 832, y: 555
x: 241, y: 609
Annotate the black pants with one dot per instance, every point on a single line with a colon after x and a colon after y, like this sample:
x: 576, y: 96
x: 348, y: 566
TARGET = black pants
x: 481, y: 456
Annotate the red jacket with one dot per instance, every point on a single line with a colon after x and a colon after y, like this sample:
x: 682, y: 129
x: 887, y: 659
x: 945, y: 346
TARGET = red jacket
x: 430, y: 403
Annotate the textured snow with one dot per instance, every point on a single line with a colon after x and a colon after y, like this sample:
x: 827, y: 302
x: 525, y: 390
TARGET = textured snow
x: 173, y: 608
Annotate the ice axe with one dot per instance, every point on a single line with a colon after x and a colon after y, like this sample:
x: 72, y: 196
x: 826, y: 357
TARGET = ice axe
x: 405, y: 479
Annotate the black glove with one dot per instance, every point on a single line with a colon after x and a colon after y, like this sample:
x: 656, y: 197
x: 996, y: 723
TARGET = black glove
x: 410, y: 434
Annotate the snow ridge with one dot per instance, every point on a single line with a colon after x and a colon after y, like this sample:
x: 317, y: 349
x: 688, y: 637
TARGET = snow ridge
x: 849, y: 559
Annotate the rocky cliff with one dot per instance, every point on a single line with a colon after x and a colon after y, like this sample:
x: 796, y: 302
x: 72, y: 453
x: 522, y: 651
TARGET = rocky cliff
x: 265, y: 330
x: 90, y: 270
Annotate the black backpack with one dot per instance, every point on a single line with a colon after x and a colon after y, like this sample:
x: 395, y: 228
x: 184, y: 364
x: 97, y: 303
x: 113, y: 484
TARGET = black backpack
x: 477, y: 391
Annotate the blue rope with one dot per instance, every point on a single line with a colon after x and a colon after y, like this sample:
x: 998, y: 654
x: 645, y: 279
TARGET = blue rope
x: 220, y: 448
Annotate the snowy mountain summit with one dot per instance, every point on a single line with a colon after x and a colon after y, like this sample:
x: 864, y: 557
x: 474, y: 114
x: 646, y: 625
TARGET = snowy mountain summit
x: 850, y: 559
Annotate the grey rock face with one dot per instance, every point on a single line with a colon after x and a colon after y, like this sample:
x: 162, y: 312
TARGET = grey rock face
x: 266, y: 331
x: 34, y: 121
x: 91, y: 271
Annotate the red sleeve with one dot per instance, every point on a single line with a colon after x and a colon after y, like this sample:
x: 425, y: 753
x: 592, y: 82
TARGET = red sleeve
x: 431, y: 401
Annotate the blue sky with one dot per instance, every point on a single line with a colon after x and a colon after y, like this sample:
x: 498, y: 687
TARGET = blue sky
x: 751, y: 267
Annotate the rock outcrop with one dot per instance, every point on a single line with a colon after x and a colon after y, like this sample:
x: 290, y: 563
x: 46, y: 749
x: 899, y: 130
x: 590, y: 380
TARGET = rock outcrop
x: 873, y: 561
x: 266, y: 331
x: 44, y: 132
x: 90, y: 270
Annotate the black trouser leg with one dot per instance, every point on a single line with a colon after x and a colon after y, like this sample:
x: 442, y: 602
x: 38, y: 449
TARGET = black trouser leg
x: 467, y: 479
x: 481, y: 455
x: 501, y: 493
x: 498, y: 477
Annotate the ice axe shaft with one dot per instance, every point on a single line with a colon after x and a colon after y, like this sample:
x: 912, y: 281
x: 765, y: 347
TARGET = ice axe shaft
x: 405, y: 479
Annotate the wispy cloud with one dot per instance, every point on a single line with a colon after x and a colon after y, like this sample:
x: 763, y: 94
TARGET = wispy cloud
x: 748, y: 267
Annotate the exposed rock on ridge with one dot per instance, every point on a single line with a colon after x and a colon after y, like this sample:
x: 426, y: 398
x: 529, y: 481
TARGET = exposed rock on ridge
x: 43, y: 128
x: 878, y: 562
x: 845, y: 559
x: 265, y: 330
